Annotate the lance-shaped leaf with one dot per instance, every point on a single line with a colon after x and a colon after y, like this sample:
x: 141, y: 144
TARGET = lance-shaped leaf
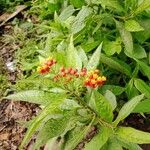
x: 36, y: 96
x: 76, y: 135
x: 66, y: 13
x: 73, y: 59
x: 117, y: 90
x: 128, y: 145
x: 143, y: 6
x: 133, y: 26
x: 145, y: 69
x: 83, y: 56
x: 53, y: 128
x: 143, y: 107
x: 126, y: 37
x: 128, y: 108
x: 50, y: 109
x: 112, y: 144
x: 99, y: 140
x: 111, y: 98
x: 101, y: 106
x: 132, y: 135
x: 95, y: 58
x: 116, y: 64
x: 142, y: 87
x: 79, y: 22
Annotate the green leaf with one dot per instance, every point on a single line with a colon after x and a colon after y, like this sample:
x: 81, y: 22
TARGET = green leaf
x: 101, y: 106
x: 89, y: 46
x: 111, y: 98
x: 112, y: 4
x: 73, y: 60
x: 117, y: 90
x: 50, y: 109
x: 115, y: 64
x: 99, y: 140
x: 131, y: 91
x: 143, y: 35
x: 79, y: 22
x: 76, y: 135
x: 77, y: 3
x: 132, y: 135
x: 128, y: 108
x: 95, y: 58
x: 128, y: 145
x: 143, y: 6
x: 82, y: 56
x: 139, y: 52
x: 35, y: 96
x: 145, y: 69
x: 112, y: 144
x: 112, y: 47
x: 143, y: 107
x: 66, y: 13
x: 133, y: 26
x: 126, y: 37
x: 142, y: 87
x: 52, y: 128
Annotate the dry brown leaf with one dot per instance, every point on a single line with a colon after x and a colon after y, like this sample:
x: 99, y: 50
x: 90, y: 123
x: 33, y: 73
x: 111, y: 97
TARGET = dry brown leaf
x: 6, y: 17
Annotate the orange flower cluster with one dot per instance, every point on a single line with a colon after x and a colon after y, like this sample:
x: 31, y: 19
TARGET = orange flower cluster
x: 46, y: 66
x: 70, y: 73
x: 93, y: 79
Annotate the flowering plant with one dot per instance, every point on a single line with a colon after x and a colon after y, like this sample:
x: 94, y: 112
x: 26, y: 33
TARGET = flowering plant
x: 72, y: 103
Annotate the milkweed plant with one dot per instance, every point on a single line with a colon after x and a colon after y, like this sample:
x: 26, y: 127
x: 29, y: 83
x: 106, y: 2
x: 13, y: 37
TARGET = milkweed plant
x: 72, y: 103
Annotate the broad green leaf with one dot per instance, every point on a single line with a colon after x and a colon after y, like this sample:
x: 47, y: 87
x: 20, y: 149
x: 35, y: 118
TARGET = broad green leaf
x: 112, y: 144
x: 128, y: 145
x: 142, y: 87
x: 50, y: 109
x: 89, y: 46
x: 76, y: 135
x: 143, y: 6
x: 128, y: 108
x: 117, y: 90
x: 95, y: 58
x: 139, y: 52
x: 131, y: 91
x: 112, y: 4
x: 77, y: 3
x: 133, y: 26
x: 79, y: 22
x: 143, y: 107
x: 115, y: 64
x: 145, y: 69
x: 101, y: 106
x: 112, y: 47
x: 52, y: 128
x: 99, y: 140
x: 35, y: 96
x: 66, y: 13
x: 143, y: 35
x: 73, y: 59
x: 132, y: 135
x: 83, y: 56
x: 126, y: 37
x: 111, y: 98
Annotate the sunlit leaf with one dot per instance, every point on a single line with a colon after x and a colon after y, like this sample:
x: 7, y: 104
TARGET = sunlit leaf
x: 132, y: 135
x: 133, y: 26
x: 99, y: 140
x: 95, y: 58
x: 128, y: 108
x: 142, y: 87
